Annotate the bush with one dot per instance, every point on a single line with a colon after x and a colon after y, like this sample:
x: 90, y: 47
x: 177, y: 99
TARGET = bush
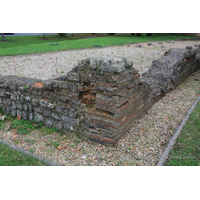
x: 111, y: 33
x: 62, y: 34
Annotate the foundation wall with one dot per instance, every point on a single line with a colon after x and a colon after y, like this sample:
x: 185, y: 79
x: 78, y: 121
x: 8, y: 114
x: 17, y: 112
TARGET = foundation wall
x: 100, y: 98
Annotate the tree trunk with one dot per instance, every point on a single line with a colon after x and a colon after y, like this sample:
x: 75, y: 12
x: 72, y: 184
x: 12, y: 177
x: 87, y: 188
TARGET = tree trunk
x: 3, y: 37
x: 43, y: 35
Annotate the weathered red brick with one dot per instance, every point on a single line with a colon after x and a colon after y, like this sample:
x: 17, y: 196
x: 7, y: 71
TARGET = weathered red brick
x: 107, y: 103
x: 104, y: 108
x: 89, y: 96
x: 38, y: 85
x: 102, y: 139
x: 128, y: 104
x: 99, y: 113
x: 81, y: 88
x: 102, y: 123
x: 105, y: 85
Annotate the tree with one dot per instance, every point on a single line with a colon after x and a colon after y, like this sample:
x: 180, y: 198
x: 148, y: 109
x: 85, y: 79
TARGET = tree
x: 3, y: 37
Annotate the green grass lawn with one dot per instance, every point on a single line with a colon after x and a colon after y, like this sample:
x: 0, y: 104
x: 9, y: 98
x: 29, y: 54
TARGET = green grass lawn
x: 34, y: 44
x: 186, y: 151
x: 10, y: 157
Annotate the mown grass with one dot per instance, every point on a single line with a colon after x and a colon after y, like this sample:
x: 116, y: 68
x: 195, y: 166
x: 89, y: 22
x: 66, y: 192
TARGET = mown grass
x: 33, y: 44
x: 186, y: 151
x: 10, y: 157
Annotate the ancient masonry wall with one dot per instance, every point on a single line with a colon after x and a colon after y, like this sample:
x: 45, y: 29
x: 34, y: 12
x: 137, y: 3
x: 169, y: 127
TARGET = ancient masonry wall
x: 100, y: 98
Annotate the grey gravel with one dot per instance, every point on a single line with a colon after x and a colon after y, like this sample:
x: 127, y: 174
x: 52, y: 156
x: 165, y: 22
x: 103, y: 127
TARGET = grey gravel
x: 53, y: 64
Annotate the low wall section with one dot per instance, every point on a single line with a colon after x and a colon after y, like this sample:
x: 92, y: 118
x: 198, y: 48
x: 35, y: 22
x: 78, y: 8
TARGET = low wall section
x: 100, y: 98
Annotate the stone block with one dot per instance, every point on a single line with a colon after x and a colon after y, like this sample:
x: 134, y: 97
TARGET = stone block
x: 69, y: 120
x: 13, y: 113
x: 18, y: 96
x: 74, y: 103
x: 7, y: 94
x: 31, y: 116
x: 19, y: 106
x: 72, y: 87
x: 72, y: 113
x: 13, y: 97
x: 82, y: 64
x: 35, y: 101
x: 49, y: 123
x: 5, y: 101
x: 28, y: 99
x: 73, y: 76
x: 30, y: 107
x: 58, y: 125
x: 38, y: 109
x: 9, y: 102
x: 8, y: 111
x: 19, y: 113
x: 21, y: 98
x: 24, y: 115
x: 63, y: 109
x: 51, y: 105
x: 39, y: 117
x: 68, y: 127
x: 25, y: 107
x: 4, y: 109
x: 46, y: 113
x: 55, y: 116
x: 43, y: 103
x: 2, y: 93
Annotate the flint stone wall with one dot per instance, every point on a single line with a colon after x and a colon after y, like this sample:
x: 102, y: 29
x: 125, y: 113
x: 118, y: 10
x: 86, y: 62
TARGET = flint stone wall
x: 169, y: 71
x: 53, y: 101
x: 100, y: 98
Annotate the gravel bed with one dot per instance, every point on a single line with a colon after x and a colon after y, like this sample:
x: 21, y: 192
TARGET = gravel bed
x: 147, y: 139
x: 61, y: 62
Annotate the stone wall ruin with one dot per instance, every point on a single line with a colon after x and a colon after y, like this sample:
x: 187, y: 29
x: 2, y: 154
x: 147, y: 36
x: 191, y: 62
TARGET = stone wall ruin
x: 100, y: 98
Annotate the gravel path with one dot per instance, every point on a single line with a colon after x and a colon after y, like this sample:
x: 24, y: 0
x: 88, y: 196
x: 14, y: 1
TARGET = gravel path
x: 61, y: 62
x: 147, y: 139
